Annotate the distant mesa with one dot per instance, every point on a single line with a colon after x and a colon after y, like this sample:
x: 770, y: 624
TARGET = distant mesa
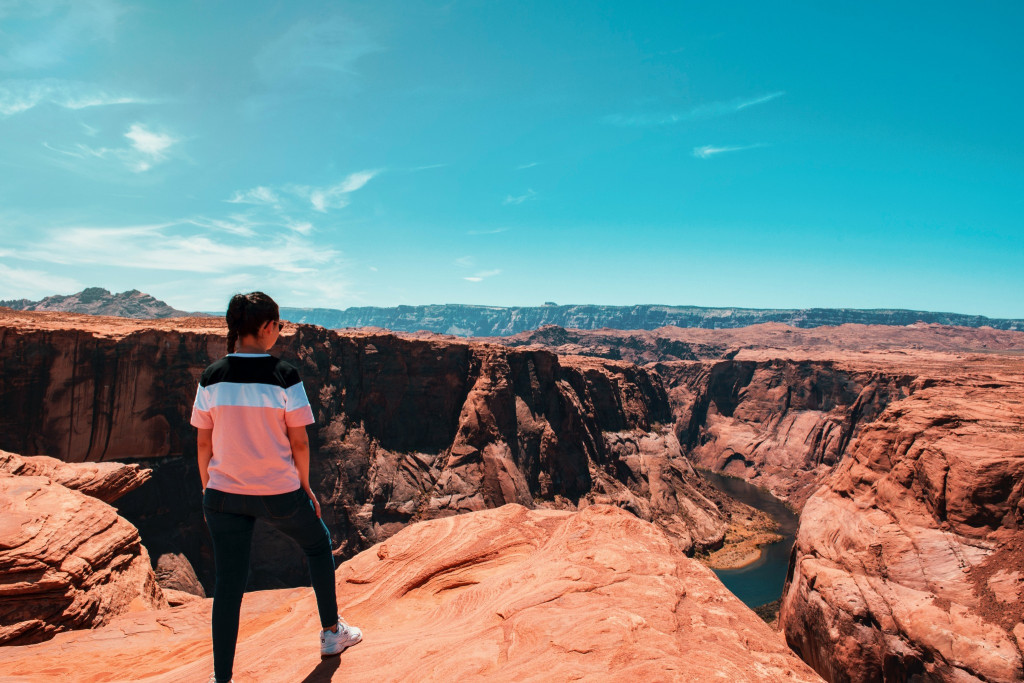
x: 465, y: 320
x: 496, y: 321
x: 99, y: 301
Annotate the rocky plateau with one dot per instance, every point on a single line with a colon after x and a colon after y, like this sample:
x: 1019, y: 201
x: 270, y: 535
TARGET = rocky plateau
x: 524, y: 595
x: 902, y: 449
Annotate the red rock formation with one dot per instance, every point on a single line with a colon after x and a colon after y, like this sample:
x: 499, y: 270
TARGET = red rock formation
x: 909, y: 563
x: 67, y: 561
x: 690, y: 343
x: 778, y: 423
x: 498, y: 595
x: 175, y: 575
x: 406, y: 429
x: 105, y: 481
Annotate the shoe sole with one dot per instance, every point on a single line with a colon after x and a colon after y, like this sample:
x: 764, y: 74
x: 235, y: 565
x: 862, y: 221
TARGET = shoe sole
x: 335, y: 654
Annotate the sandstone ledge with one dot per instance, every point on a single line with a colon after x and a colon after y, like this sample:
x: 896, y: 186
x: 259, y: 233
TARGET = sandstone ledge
x: 503, y: 594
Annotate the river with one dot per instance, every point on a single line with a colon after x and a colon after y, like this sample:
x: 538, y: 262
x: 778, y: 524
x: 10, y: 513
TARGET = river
x: 762, y: 581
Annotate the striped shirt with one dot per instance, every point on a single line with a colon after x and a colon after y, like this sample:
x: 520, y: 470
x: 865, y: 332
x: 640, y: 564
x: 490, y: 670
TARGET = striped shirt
x: 249, y: 400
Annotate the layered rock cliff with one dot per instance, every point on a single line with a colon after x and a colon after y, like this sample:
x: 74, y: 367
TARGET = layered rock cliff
x: 497, y: 595
x: 778, y: 423
x: 406, y: 429
x: 479, y: 321
x: 67, y: 560
x: 909, y: 563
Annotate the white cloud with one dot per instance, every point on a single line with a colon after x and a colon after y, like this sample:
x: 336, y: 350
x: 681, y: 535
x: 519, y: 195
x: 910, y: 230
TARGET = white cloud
x: 526, y: 166
x: 486, y: 232
x: 336, y: 196
x: 236, y: 225
x: 167, y: 247
x: 701, y: 111
x: 478, y: 277
x: 257, y: 195
x: 148, y: 142
x: 428, y: 167
x: 18, y: 96
x: 301, y: 227
x: 708, y: 151
x: 465, y: 261
x: 26, y: 283
x: 510, y: 199
x: 147, y: 149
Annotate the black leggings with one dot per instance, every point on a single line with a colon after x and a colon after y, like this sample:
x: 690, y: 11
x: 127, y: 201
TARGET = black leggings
x: 231, y: 517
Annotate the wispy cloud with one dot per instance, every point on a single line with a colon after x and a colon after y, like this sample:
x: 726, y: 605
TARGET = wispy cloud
x: 523, y: 167
x: 708, y: 151
x: 336, y: 196
x: 29, y: 283
x: 258, y: 195
x: 147, y: 148
x: 151, y: 146
x: 486, y: 232
x: 236, y: 224
x: 173, y: 247
x: 428, y: 167
x: 478, y: 277
x: 702, y: 111
x: 320, y: 199
x: 301, y: 227
x: 519, y: 199
x: 17, y: 96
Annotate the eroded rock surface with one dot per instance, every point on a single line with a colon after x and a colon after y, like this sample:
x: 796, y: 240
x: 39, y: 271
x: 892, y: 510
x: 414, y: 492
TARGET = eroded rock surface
x: 777, y: 423
x: 67, y: 561
x: 910, y: 561
x: 106, y: 481
x: 504, y: 594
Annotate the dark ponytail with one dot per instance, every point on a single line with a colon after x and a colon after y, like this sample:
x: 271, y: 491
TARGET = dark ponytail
x: 247, y: 313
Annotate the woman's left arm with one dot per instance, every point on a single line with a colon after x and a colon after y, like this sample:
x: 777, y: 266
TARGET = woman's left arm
x: 300, y: 453
x: 204, y: 445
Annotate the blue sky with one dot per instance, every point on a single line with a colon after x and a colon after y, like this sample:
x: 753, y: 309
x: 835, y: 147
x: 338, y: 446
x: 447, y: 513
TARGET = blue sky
x: 509, y: 153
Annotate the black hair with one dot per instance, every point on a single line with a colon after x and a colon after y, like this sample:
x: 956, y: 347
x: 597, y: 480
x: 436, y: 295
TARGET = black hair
x: 247, y: 313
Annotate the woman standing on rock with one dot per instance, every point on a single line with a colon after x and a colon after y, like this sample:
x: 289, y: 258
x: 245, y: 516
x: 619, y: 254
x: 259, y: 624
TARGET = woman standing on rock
x: 251, y: 411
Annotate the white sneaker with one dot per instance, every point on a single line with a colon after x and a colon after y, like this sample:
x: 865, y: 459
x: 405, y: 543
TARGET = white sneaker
x: 213, y: 679
x: 332, y: 643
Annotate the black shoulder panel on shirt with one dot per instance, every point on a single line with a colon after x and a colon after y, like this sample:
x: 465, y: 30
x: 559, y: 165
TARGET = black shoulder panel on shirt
x: 248, y: 370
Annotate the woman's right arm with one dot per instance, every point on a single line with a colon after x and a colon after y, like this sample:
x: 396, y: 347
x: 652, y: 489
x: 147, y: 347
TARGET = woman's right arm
x: 204, y: 442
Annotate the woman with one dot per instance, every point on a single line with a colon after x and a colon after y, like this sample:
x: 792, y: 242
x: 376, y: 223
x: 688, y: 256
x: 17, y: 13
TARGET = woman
x: 251, y: 411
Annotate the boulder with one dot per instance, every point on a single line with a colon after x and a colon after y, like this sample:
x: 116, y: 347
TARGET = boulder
x: 67, y: 561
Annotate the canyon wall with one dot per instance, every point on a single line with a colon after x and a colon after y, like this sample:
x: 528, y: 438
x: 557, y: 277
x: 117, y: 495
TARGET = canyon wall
x: 406, y: 430
x: 909, y: 563
x: 779, y: 423
x: 468, y: 320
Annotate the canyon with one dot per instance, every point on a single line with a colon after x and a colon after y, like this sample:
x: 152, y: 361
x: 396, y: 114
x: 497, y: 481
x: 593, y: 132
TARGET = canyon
x: 901, y: 447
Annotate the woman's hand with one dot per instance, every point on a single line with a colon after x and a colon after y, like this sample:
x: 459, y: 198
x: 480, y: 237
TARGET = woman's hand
x: 312, y: 497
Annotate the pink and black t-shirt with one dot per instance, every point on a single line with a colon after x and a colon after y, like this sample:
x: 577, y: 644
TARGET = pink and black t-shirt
x: 249, y: 400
